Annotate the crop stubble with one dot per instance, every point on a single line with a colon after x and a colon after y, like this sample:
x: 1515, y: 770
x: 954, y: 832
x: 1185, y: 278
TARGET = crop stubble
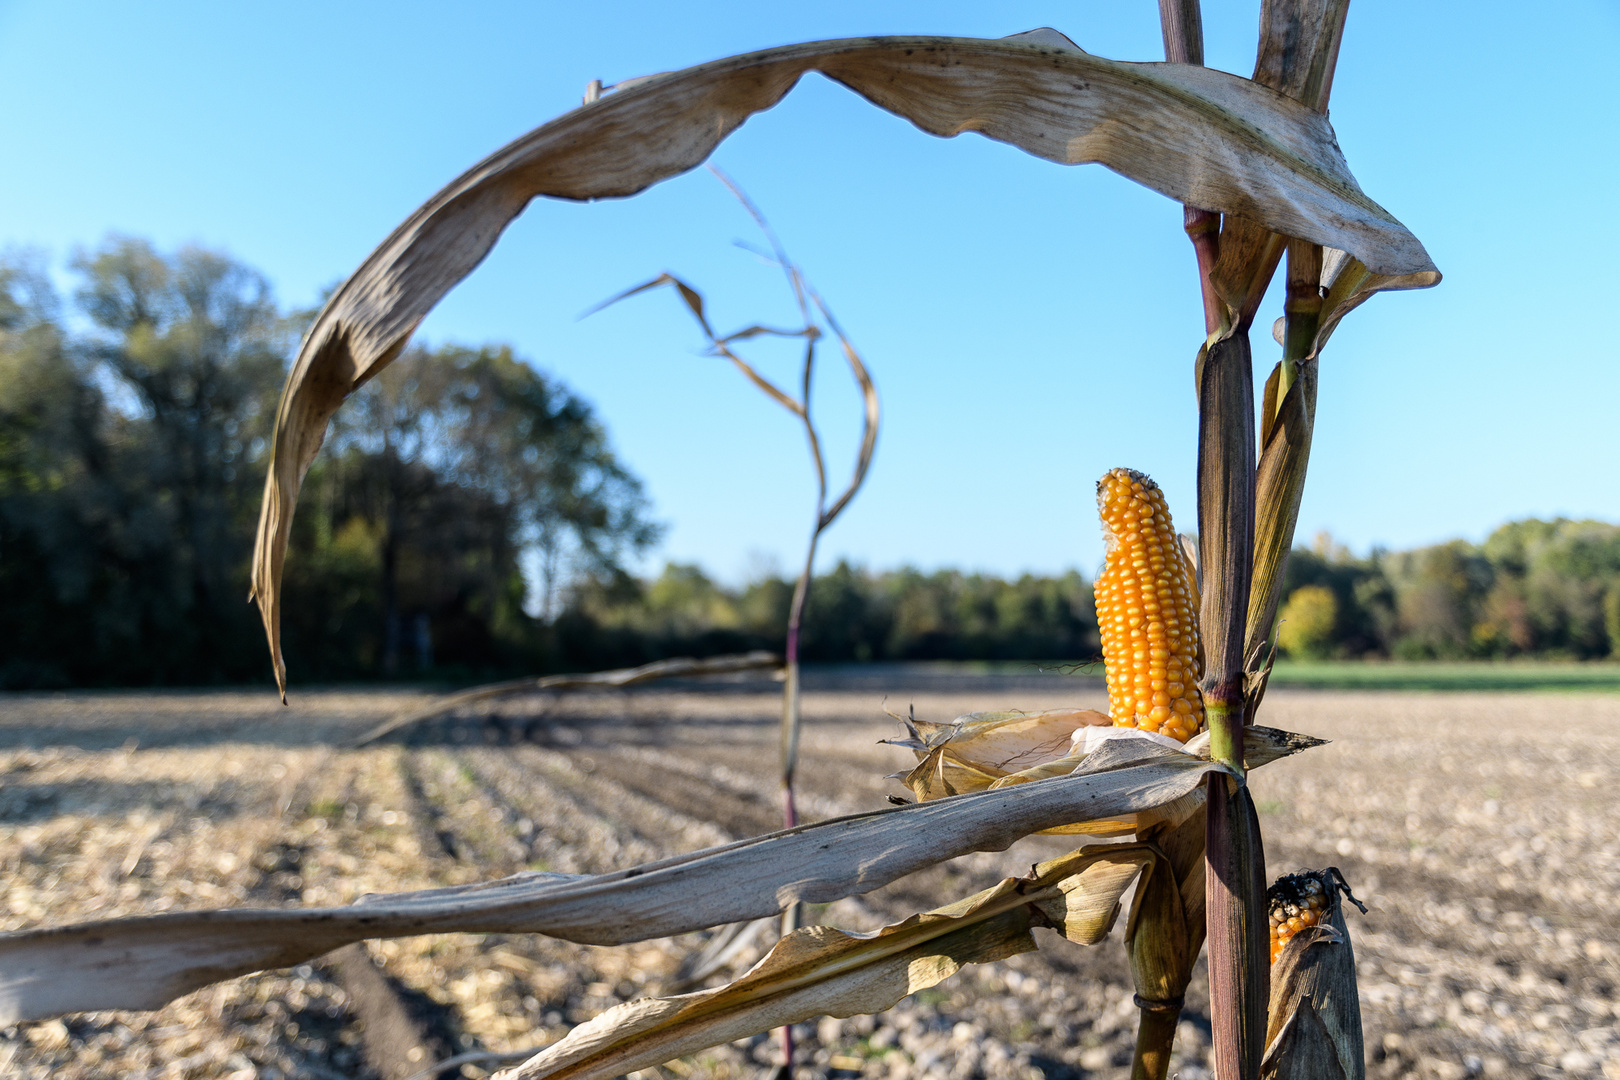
x: 1480, y: 830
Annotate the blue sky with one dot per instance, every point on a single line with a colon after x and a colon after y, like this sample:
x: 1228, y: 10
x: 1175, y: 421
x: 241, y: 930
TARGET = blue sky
x: 1030, y: 325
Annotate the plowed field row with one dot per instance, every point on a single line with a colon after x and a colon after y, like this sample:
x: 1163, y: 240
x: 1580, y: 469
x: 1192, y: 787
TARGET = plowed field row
x: 1481, y: 830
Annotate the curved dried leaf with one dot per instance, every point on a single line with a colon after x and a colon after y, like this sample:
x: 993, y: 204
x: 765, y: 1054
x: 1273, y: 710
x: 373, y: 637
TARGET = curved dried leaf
x: 1347, y: 283
x: 821, y: 971
x: 1299, y: 48
x: 144, y: 961
x: 1197, y: 135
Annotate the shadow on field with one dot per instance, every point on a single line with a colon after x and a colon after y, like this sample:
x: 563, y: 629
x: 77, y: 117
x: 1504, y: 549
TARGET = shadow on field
x: 22, y: 802
x: 152, y: 719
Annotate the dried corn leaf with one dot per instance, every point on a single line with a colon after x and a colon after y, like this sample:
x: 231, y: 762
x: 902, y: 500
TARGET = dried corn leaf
x: 942, y: 769
x: 820, y: 971
x: 142, y: 962
x: 1299, y: 48
x: 1200, y: 136
x: 677, y: 667
x: 1347, y: 284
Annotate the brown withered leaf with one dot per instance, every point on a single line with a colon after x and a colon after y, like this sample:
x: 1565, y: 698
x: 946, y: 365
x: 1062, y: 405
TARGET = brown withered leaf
x: 141, y: 962
x: 1199, y: 136
x: 1299, y: 49
x: 1347, y: 284
x: 819, y: 970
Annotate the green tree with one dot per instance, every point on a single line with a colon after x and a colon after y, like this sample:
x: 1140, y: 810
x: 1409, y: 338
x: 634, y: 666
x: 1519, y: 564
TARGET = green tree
x: 131, y: 469
x: 126, y: 499
x: 444, y: 473
x: 197, y: 342
x: 1363, y: 596
x: 1438, y: 591
x: 1307, y: 624
x: 1611, y: 616
x: 1551, y: 581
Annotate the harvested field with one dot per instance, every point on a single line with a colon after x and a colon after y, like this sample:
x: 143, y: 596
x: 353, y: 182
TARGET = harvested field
x: 1480, y: 829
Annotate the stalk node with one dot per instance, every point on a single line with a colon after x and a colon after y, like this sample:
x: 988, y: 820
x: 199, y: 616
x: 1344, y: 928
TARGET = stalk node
x: 1150, y: 1005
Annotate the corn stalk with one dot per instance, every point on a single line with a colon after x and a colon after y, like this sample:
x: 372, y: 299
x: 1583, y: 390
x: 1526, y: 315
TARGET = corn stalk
x: 1248, y: 510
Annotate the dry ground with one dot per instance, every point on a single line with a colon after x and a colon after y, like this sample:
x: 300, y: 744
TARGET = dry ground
x: 1481, y: 830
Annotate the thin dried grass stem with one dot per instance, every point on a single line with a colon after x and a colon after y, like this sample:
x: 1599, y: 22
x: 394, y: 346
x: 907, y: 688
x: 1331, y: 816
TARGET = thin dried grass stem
x: 1204, y: 230
x: 792, y: 719
x: 1181, y: 24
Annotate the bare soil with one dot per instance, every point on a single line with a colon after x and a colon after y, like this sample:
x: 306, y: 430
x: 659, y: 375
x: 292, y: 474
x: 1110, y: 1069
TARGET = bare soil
x: 1481, y: 830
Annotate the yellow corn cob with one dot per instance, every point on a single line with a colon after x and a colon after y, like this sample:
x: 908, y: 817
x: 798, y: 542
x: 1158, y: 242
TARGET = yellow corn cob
x: 1147, y: 610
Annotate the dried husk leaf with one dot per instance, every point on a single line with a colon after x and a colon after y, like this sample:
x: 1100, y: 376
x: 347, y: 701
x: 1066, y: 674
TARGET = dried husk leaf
x: 1279, y: 488
x: 1199, y: 136
x: 142, y: 962
x: 1157, y: 938
x: 1226, y: 478
x: 1347, y: 284
x: 1163, y: 938
x: 949, y: 767
x: 1299, y: 48
x: 1248, y: 257
x: 1313, y: 1026
x: 1004, y: 742
x: 820, y: 971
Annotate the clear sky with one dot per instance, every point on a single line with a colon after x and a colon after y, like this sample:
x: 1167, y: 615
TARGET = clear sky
x: 1030, y: 325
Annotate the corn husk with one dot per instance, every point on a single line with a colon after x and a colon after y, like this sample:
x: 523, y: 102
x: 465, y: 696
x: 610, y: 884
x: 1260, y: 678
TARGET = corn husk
x: 819, y: 970
x: 1163, y: 937
x: 1313, y: 1025
x: 990, y: 751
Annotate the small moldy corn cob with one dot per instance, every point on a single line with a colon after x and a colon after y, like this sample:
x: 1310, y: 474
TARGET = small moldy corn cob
x: 1294, y: 903
x: 1147, y: 611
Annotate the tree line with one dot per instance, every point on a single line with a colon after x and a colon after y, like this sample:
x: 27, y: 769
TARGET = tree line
x: 1534, y: 588
x: 468, y: 518
x: 135, y: 418
x: 1545, y: 589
